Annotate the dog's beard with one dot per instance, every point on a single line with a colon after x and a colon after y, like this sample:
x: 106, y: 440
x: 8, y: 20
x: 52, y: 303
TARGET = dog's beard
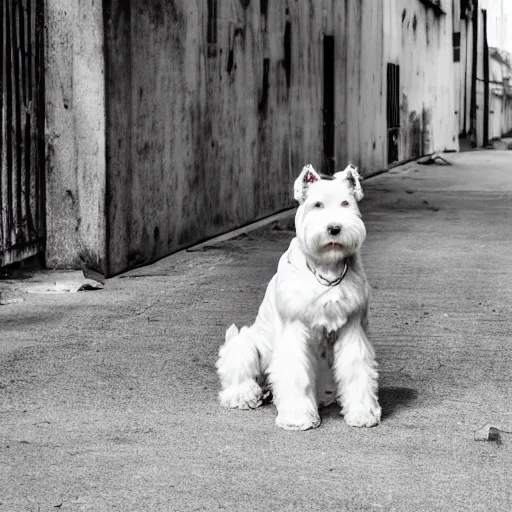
x: 324, y: 249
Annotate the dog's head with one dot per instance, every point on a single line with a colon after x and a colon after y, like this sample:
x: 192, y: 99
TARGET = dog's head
x: 328, y: 222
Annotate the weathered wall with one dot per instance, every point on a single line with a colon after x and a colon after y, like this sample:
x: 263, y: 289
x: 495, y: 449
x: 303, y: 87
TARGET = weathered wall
x: 75, y: 120
x: 210, y: 118
x: 507, y: 113
x: 420, y: 41
x: 211, y: 112
x: 206, y: 133
x: 462, y: 69
x: 500, y: 113
x: 362, y: 85
x: 498, y: 31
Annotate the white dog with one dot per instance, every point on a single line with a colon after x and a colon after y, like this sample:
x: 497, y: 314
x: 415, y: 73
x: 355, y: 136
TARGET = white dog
x: 309, y: 342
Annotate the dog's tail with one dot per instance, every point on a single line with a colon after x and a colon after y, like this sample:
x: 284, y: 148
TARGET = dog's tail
x: 231, y: 332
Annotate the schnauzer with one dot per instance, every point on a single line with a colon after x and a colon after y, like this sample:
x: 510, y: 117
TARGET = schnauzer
x: 308, y: 345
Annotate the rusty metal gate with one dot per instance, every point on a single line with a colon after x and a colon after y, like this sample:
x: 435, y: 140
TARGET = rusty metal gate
x: 393, y: 112
x: 22, y: 191
x: 329, y: 120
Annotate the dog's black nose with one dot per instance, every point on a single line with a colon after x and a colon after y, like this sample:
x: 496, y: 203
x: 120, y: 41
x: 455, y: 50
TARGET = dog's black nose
x: 334, y: 230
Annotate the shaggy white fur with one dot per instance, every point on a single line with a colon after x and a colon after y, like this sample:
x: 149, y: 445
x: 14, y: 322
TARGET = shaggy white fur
x: 309, y: 342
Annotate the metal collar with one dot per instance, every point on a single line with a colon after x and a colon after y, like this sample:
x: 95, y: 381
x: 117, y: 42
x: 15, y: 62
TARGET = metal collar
x: 326, y: 282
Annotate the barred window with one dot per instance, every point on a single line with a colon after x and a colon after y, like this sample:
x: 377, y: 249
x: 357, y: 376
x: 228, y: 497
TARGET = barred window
x: 211, y: 35
x: 456, y: 47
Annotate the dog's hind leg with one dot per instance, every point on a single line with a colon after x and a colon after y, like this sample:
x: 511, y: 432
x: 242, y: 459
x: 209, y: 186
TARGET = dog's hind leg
x: 239, y: 369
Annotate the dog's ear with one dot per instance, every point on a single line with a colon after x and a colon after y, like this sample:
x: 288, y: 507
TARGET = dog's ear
x: 352, y: 176
x: 303, y: 182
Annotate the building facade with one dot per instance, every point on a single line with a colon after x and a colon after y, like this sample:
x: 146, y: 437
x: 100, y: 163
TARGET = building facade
x: 169, y: 122
x: 482, y: 53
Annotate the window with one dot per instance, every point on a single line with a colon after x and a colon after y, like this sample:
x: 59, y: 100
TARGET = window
x: 211, y: 35
x: 456, y: 47
x: 393, y: 111
x: 288, y: 52
x: 329, y: 104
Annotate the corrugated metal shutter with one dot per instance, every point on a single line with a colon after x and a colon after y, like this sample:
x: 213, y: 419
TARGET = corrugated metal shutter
x: 22, y: 160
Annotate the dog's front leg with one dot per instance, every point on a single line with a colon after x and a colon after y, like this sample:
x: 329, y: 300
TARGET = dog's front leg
x: 292, y: 375
x: 356, y: 376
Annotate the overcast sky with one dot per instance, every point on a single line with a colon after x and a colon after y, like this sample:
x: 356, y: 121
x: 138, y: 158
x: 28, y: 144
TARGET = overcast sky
x: 499, y: 23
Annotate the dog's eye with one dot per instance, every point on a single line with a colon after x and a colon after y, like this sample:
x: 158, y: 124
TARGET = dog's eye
x: 345, y: 203
x: 318, y: 204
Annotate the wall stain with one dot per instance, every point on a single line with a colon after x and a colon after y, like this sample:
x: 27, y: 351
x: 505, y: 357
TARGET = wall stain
x: 238, y: 32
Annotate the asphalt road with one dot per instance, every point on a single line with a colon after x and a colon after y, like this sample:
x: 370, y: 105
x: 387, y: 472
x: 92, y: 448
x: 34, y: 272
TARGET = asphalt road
x: 108, y: 398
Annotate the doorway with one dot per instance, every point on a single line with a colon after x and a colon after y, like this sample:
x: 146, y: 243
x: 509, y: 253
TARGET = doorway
x: 328, y: 105
x: 393, y: 111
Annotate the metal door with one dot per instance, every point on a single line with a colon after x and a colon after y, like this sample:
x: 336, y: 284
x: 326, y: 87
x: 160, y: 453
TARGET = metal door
x: 329, y: 105
x: 393, y: 112
x: 22, y: 192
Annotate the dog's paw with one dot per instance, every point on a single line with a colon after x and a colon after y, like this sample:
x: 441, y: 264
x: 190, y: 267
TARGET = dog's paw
x: 247, y: 395
x: 359, y: 415
x: 296, y: 420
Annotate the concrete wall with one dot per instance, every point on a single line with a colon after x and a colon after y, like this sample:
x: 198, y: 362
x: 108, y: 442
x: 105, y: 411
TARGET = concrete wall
x: 75, y: 124
x: 462, y: 70
x: 204, y: 136
x: 500, y: 113
x: 420, y: 41
x: 203, y: 131
x: 499, y: 39
x: 362, y: 133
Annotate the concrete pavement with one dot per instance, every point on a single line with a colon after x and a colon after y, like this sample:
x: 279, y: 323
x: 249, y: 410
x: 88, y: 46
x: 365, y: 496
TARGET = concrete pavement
x: 108, y: 398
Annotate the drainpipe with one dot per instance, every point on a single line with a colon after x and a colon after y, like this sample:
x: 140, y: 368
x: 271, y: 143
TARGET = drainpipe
x: 486, y: 79
x: 472, y: 108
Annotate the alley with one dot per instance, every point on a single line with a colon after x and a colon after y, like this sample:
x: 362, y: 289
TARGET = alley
x: 108, y: 398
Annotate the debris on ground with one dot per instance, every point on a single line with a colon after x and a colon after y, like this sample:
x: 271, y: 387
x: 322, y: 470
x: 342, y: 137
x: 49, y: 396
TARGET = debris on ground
x: 62, y: 282
x: 434, y: 159
x: 490, y: 433
x: 14, y: 287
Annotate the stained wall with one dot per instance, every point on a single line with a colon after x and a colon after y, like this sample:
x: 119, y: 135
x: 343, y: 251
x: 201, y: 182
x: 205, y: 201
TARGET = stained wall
x: 420, y: 40
x: 75, y: 135
x: 214, y: 107
x: 172, y: 121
